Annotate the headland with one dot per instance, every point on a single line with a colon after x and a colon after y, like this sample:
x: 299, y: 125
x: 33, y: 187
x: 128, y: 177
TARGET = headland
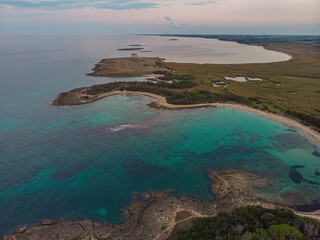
x: 134, y: 66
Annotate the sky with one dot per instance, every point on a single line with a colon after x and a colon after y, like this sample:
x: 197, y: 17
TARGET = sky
x: 160, y: 16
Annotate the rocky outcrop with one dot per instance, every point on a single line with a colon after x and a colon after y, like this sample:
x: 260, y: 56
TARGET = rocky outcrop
x: 79, y: 96
x: 231, y: 184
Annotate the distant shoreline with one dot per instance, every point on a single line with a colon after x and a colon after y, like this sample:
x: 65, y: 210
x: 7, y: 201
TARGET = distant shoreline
x: 268, y: 47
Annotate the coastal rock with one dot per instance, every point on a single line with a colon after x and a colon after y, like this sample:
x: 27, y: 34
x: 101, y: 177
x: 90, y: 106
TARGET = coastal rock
x: 231, y: 183
x: 157, y: 217
x: 316, y: 153
x: 47, y: 222
x: 21, y: 229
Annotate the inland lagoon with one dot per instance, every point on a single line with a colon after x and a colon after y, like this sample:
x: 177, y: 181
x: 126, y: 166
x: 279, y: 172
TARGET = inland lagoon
x: 92, y: 161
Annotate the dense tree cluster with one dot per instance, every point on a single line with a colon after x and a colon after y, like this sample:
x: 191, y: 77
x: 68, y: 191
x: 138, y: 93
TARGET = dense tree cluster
x: 254, y: 223
x: 168, y: 76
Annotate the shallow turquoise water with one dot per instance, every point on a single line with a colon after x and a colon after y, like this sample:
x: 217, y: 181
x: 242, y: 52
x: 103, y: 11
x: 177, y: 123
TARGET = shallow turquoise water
x: 71, y: 162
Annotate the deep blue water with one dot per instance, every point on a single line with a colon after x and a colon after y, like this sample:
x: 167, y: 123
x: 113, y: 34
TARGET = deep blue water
x: 93, y: 160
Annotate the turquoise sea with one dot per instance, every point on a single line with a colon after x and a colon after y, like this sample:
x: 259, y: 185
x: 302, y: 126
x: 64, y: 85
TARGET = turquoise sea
x: 92, y: 161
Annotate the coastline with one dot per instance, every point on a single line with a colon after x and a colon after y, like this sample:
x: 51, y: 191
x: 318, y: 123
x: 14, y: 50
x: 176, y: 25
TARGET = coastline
x: 274, y: 49
x: 265, y: 45
x: 233, y: 188
x: 162, y: 103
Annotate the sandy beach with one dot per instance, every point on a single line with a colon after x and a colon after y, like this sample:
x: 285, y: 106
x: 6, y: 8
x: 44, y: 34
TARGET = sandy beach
x: 162, y: 102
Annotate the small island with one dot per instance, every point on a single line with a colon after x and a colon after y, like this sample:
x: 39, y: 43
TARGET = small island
x: 130, y: 49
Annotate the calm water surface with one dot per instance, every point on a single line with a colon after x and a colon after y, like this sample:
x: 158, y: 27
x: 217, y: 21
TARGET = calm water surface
x: 93, y: 160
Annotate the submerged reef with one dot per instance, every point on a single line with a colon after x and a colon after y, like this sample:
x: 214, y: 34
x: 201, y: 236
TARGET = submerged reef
x: 158, y: 214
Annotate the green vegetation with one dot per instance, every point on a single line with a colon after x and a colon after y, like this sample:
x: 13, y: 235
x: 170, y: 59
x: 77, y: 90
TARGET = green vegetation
x: 176, y: 93
x: 290, y: 88
x: 168, y: 76
x: 128, y: 67
x: 254, y: 223
x: 159, y: 64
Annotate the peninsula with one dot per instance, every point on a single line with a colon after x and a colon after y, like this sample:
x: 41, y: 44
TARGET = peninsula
x: 186, y: 85
x: 133, y: 66
x: 182, y: 85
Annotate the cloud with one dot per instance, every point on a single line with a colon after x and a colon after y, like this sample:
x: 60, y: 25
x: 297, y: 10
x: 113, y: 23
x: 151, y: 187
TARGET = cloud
x: 78, y: 4
x: 200, y: 3
x: 165, y: 15
x: 171, y: 21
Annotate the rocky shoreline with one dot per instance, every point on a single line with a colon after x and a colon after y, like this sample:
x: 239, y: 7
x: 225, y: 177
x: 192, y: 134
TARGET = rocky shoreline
x: 158, y: 216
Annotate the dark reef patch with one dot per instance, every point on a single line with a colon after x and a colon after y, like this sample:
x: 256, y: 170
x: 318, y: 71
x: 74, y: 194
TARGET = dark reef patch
x: 295, y: 176
x: 99, y: 179
x: 314, y: 206
x: 317, y: 173
x: 285, y: 142
x: 291, y: 130
x: 300, y: 195
x: 137, y: 169
x: 254, y: 159
x: 64, y: 172
x: 298, y: 166
x: 316, y: 153
x: 255, y: 139
x: 311, y: 182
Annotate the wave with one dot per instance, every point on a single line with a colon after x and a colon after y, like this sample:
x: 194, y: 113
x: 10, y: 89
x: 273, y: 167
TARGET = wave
x: 120, y: 127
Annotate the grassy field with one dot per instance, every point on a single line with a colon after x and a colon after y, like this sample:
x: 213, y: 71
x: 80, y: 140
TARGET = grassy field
x: 291, y: 87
